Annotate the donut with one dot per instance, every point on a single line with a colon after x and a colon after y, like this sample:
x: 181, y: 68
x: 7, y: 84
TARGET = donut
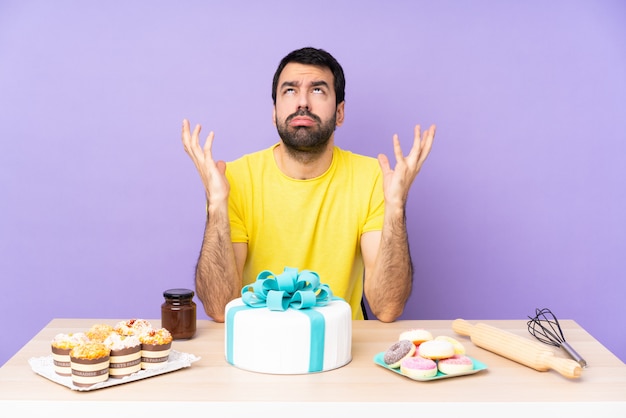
x: 416, y: 336
x: 436, y: 349
x: 458, y: 347
x: 418, y: 367
x: 455, y: 364
x: 398, y: 351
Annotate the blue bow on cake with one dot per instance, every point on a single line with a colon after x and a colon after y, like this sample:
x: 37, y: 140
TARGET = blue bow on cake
x: 289, y: 289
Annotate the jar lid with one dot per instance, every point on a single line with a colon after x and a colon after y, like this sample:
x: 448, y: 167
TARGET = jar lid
x: 178, y: 293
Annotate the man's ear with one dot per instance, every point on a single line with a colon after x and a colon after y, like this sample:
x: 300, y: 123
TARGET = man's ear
x: 274, y: 115
x: 340, y: 113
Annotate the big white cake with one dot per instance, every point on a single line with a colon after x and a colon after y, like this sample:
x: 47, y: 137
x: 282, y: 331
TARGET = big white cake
x: 290, y: 341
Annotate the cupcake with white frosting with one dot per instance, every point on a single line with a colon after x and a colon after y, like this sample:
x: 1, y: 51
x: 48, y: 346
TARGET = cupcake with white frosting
x: 125, y: 356
x: 155, y: 348
x: 136, y: 327
x: 61, y: 346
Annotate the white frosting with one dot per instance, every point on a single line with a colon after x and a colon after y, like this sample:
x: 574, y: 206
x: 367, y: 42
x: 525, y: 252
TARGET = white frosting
x: 133, y: 327
x: 119, y: 342
x: 70, y: 339
x: 278, y: 342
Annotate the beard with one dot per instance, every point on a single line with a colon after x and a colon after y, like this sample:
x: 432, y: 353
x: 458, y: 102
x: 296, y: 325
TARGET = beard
x: 306, y: 140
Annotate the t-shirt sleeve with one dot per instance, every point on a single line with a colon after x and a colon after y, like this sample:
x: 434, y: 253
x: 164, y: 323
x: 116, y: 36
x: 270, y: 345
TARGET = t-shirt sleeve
x: 376, y: 212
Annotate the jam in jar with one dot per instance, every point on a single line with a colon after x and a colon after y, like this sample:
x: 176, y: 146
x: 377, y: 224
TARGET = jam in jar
x: 178, y: 313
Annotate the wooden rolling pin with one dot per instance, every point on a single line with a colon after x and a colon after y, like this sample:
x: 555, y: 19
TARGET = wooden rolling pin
x: 514, y: 347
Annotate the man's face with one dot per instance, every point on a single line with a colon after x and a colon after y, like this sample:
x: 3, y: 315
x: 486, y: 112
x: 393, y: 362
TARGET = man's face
x: 305, y: 113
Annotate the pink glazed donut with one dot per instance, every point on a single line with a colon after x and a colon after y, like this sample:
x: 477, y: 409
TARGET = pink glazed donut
x: 418, y: 367
x: 455, y: 364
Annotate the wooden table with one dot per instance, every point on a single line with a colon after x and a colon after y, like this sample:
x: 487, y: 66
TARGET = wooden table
x: 214, y: 388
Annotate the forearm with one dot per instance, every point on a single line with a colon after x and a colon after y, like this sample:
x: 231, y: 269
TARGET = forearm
x: 217, y: 280
x: 389, y: 285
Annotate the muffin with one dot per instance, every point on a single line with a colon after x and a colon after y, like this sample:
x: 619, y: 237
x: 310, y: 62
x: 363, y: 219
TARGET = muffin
x: 61, y: 346
x: 89, y: 363
x: 125, y: 356
x: 99, y: 332
x: 133, y: 327
x: 155, y: 348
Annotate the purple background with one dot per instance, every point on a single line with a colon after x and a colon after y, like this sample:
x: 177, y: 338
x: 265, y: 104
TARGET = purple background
x: 521, y: 204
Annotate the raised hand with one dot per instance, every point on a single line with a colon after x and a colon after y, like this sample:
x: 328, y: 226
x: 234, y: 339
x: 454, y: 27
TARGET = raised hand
x: 397, y: 182
x: 212, y: 173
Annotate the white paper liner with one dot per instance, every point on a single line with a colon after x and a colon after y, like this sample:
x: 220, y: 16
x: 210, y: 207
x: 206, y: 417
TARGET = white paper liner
x: 44, y: 366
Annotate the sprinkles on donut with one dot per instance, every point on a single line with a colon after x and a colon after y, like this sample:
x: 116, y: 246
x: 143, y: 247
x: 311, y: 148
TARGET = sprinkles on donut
x: 397, y: 352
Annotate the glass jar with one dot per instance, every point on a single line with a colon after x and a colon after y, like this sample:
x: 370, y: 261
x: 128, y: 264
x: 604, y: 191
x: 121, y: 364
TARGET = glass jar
x: 178, y: 313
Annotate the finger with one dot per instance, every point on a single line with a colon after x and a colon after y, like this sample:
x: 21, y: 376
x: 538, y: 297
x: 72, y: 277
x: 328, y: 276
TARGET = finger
x: 417, y: 142
x: 194, y: 141
x: 221, y: 167
x: 397, y: 149
x: 188, y: 144
x: 426, y: 144
x: 196, y: 132
x: 417, y: 134
x: 383, y: 161
x: 185, y: 126
x: 427, y: 139
x: 185, y: 132
x: 208, y: 145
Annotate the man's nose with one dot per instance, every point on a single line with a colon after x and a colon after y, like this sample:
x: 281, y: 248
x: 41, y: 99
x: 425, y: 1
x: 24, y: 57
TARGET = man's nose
x: 303, y: 102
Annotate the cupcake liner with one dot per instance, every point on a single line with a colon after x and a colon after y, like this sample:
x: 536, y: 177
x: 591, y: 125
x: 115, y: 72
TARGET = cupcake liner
x: 154, y: 356
x: 124, y: 362
x: 88, y: 372
x: 61, y: 361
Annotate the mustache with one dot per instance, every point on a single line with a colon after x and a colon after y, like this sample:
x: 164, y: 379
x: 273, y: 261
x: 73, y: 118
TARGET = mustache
x: 304, y: 112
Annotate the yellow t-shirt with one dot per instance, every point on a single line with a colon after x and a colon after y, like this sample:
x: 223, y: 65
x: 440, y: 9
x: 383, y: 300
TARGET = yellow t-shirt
x: 313, y: 224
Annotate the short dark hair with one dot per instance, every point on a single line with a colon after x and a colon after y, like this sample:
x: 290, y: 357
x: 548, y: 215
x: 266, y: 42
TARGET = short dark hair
x: 319, y: 58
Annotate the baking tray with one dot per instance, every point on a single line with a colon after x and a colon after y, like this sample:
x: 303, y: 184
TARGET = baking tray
x: 44, y: 366
x: 478, y: 366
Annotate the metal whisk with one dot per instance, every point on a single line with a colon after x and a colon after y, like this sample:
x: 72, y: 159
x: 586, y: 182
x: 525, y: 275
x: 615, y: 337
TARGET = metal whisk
x: 546, y: 328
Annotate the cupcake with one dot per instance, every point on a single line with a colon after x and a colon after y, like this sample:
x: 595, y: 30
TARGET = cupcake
x: 61, y: 346
x: 155, y: 348
x: 133, y: 327
x: 89, y: 363
x: 99, y: 332
x: 125, y: 356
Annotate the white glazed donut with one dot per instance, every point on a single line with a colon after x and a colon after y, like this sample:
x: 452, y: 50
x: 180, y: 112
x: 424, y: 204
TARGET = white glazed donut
x: 455, y: 364
x: 416, y: 336
x: 436, y: 349
x: 458, y: 347
x: 418, y: 367
x: 398, y: 351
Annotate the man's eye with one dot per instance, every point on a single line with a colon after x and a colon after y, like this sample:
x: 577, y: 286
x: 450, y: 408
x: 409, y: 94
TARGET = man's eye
x: 318, y: 90
x: 289, y: 91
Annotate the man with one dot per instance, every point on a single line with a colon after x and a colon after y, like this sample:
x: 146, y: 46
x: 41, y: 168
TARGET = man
x: 307, y: 204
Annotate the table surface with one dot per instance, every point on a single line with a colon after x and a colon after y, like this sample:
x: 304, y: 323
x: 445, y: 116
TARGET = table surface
x: 213, y: 381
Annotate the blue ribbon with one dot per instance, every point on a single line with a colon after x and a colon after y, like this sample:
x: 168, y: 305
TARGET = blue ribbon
x: 289, y: 289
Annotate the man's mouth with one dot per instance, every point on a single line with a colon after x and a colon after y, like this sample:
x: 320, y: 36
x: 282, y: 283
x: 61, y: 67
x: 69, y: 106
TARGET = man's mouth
x: 302, y: 118
x: 301, y: 121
